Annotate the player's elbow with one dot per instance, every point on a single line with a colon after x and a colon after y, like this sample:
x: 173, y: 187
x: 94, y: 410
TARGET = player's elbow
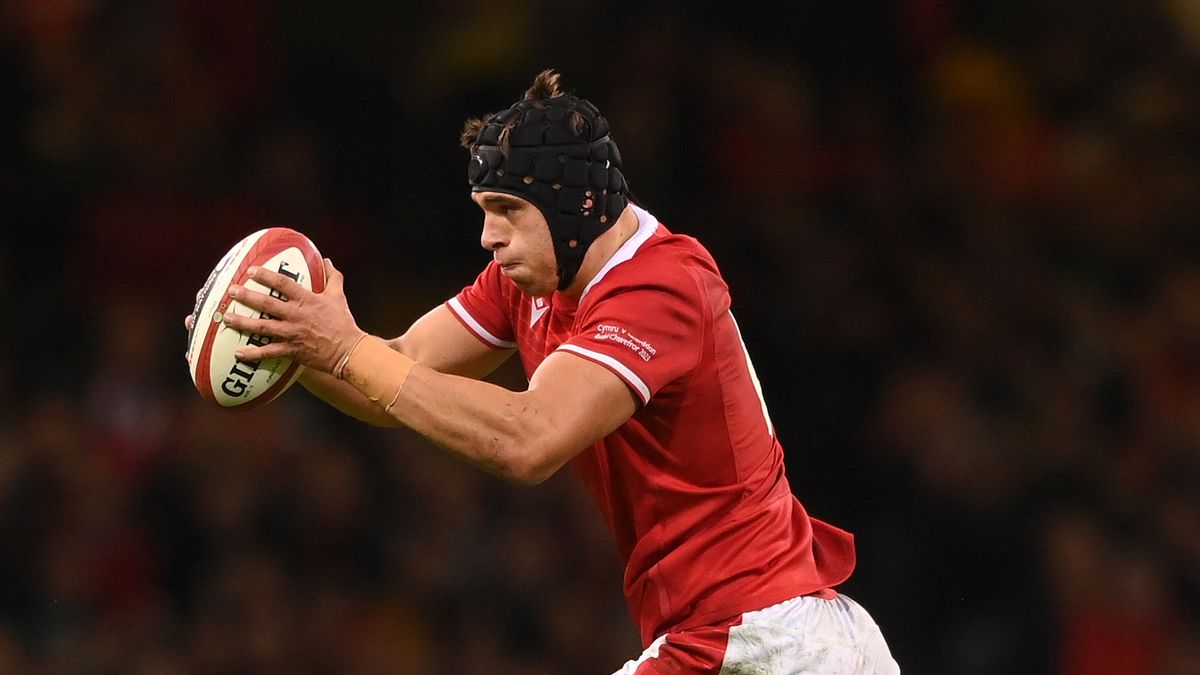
x: 536, y: 445
x: 526, y: 477
x: 531, y: 464
x: 533, y: 456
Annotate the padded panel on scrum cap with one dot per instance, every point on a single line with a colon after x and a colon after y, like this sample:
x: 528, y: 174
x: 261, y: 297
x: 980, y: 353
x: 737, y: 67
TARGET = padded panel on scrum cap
x: 563, y: 167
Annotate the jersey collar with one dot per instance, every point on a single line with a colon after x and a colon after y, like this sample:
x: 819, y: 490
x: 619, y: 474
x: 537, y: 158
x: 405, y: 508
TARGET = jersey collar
x: 647, y: 225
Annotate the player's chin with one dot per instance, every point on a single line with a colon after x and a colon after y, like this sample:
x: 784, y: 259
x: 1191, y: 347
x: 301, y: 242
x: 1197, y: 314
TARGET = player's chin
x: 529, y: 282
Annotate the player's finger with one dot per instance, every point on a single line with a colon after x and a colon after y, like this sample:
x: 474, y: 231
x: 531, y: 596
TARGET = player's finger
x: 271, y: 351
x: 252, y: 325
x: 333, y: 278
x: 285, y: 285
x: 189, y: 321
x: 259, y: 301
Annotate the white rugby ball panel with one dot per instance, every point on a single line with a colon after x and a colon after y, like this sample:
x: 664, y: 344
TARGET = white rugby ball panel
x: 217, y: 374
x: 205, y: 315
x: 234, y: 382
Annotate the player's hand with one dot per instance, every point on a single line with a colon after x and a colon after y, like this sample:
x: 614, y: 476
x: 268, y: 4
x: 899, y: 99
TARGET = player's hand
x: 315, y: 329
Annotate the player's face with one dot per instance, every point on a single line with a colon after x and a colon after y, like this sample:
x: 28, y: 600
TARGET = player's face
x: 517, y: 234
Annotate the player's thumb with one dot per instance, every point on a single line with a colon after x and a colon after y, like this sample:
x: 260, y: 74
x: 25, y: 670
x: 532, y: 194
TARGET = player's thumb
x: 333, y: 277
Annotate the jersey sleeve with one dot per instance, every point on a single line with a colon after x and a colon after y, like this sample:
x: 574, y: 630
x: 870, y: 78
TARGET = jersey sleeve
x: 647, y: 334
x: 482, y: 308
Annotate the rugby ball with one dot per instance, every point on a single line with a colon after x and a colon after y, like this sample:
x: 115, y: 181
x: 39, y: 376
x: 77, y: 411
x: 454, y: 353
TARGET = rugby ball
x: 218, y: 375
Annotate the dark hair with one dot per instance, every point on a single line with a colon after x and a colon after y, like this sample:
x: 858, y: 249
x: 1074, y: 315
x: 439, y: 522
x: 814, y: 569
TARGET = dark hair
x: 546, y: 85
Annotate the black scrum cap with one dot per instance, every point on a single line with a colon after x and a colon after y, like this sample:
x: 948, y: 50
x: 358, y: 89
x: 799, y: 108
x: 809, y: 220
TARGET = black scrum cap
x: 571, y: 172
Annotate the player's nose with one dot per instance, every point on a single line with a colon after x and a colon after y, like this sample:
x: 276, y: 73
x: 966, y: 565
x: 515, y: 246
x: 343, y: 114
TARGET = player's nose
x: 494, y: 235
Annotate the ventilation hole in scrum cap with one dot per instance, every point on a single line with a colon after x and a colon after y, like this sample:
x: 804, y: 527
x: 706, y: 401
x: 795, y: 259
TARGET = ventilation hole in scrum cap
x: 603, y: 219
x: 573, y: 243
x: 557, y: 186
x: 528, y: 180
x: 499, y: 172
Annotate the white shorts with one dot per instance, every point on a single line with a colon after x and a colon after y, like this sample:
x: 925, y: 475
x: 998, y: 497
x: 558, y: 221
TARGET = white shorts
x: 808, y: 635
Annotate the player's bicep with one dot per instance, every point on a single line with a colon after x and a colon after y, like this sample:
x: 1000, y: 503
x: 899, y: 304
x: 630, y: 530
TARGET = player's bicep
x: 580, y: 401
x: 440, y: 341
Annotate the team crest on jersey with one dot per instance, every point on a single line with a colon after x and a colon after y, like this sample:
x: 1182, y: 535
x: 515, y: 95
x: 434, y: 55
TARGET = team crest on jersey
x: 607, y: 332
x: 538, y: 307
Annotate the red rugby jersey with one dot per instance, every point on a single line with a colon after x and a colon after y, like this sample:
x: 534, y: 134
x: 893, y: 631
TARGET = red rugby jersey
x: 693, y: 485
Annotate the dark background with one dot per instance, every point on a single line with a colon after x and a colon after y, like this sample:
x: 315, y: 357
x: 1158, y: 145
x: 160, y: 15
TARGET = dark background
x: 960, y: 237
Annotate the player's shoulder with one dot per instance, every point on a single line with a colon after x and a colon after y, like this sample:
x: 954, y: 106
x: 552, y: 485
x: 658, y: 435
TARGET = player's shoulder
x: 671, y: 248
x: 662, y: 260
x: 493, y: 280
x: 491, y: 288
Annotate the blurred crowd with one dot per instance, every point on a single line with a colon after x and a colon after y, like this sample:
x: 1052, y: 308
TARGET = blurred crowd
x: 960, y: 236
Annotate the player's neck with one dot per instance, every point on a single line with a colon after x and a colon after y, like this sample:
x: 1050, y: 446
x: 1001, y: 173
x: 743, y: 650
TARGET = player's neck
x: 601, y: 250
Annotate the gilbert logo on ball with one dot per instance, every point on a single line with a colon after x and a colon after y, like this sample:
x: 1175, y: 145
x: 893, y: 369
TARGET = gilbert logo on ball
x: 218, y: 375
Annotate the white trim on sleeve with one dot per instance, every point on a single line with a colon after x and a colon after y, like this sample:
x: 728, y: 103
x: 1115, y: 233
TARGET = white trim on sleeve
x: 620, y: 368
x: 457, y: 307
x: 631, y: 667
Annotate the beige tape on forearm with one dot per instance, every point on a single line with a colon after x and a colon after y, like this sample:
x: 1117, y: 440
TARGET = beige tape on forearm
x: 376, y: 370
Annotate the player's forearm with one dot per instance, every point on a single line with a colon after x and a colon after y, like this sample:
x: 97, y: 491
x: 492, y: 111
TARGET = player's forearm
x: 345, y: 398
x: 500, y: 431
